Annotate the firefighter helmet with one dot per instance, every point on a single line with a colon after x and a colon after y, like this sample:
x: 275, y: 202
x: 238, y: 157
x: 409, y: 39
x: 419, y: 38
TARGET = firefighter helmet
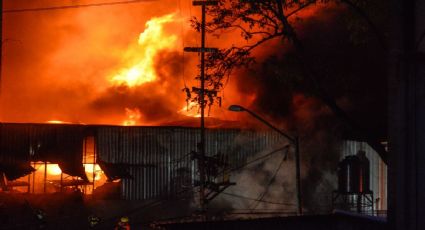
x: 124, y: 219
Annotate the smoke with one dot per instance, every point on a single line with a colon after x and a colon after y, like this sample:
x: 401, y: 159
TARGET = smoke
x: 155, y: 100
x: 57, y: 64
x: 346, y: 69
x: 264, y: 186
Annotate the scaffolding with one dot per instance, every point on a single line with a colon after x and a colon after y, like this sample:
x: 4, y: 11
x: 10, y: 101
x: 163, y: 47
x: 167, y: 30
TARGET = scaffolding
x: 360, y: 202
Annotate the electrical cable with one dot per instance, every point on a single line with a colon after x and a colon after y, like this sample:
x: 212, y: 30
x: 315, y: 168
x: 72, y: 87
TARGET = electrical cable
x: 182, y: 159
x: 260, y: 158
x: 255, y: 199
x: 172, y: 162
x: 48, y: 8
x: 161, y: 201
x: 261, y: 196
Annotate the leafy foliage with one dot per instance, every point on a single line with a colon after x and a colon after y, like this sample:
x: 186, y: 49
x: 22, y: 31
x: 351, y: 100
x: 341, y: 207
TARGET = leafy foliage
x: 260, y: 21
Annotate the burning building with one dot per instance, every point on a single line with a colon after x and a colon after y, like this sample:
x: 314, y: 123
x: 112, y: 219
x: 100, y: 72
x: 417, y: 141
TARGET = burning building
x: 130, y: 78
x: 151, y: 162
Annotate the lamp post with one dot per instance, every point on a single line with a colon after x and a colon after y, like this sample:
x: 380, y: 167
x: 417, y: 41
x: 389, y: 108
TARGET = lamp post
x: 294, y: 141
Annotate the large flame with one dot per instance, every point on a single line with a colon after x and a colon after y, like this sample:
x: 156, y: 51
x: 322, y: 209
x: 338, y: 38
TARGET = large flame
x: 110, y: 73
x: 53, y: 169
x: 151, y: 41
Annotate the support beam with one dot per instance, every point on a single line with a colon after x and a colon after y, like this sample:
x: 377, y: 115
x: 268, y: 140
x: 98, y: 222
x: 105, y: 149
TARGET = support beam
x: 406, y: 171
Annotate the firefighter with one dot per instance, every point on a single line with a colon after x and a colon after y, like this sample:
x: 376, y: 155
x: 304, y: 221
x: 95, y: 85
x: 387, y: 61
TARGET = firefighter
x: 41, y: 218
x: 93, y: 221
x: 123, y: 224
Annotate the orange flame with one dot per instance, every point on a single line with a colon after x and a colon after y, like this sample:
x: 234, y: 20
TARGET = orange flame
x: 90, y: 168
x: 151, y: 41
x: 190, y: 110
x: 58, y: 122
x: 53, y: 169
x: 133, y: 115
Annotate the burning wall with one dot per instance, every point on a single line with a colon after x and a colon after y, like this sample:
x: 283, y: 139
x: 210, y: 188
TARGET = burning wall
x: 150, y: 160
x: 21, y: 143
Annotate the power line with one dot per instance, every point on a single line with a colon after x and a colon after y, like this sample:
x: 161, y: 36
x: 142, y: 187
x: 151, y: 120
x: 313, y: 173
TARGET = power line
x: 260, y: 158
x: 261, y: 196
x: 6, y: 11
x: 255, y: 199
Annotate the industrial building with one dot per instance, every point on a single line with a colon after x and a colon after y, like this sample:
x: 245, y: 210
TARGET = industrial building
x: 151, y: 162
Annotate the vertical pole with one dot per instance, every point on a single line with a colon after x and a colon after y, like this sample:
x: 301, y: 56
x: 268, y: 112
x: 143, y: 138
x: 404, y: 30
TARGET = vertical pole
x: 33, y: 177
x: 298, y: 175
x: 61, y: 181
x: 359, y: 202
x: 84, y: 162
x: 94, y: 165
x: 202, y: 155
x: 45, y: 176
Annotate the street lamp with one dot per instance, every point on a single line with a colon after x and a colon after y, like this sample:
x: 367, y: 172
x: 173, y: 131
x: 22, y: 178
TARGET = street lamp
x: 294, y: 141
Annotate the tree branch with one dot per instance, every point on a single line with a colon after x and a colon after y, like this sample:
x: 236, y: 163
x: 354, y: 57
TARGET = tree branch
x: 372, y: 25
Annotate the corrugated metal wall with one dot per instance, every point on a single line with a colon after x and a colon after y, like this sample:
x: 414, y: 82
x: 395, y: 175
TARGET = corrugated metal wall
x: 22, y: 143
x: 158, y: 158
x: 378, y: 170
x: 169, y: 148
x: 14, y: 143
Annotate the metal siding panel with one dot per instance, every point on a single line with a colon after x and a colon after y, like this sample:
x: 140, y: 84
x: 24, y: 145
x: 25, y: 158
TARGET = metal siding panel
x: 15, y: 143
x: 170, y: 148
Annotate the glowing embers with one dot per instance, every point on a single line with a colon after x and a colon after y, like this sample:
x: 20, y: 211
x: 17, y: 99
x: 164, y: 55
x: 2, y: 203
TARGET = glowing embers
x: 58, y: 122
x: 151, y: 41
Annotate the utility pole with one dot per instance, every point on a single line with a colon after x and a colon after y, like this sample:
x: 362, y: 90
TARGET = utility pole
x: 296, y: 142
x: 201, y: 101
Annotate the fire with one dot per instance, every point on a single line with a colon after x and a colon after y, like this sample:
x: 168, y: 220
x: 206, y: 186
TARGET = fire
x: 190, y: 110
x: 133, y: 115
x: 53, y: 169
x: 88, y: 168
x: 151, y: 41
x: 58, y: 122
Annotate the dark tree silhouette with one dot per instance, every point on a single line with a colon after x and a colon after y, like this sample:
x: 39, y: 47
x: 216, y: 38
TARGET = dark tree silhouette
x: 266, y: 20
